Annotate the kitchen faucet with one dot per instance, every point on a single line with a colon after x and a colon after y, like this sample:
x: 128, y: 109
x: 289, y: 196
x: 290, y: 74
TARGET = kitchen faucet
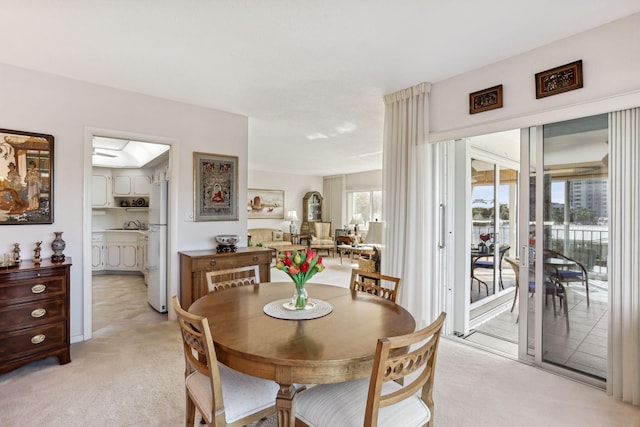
x: 132, y: 225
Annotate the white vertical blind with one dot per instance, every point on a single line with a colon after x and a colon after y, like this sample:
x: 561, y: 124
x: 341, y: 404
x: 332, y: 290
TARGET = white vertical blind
x: 409, y: 238
x: 624, y: 255
x: 334, y: 205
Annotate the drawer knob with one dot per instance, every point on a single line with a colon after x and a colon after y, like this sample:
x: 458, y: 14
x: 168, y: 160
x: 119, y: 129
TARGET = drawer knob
x: 212, y: 262
x: 38, y: 312
x: 255, y: 258
x: 38, y: 289
x: 37, y: 339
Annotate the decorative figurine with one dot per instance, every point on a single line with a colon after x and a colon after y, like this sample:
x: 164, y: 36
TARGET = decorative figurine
x: 36, y: 253
x: 16, y: 253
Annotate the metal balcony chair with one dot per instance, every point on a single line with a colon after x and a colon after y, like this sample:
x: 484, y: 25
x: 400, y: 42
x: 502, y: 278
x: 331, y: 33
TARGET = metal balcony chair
x: 551, y: 287
x: 479, y: 263
x: 573, y: 273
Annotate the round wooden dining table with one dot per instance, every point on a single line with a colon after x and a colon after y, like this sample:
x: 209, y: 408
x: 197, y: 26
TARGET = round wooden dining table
x: 334, y: 348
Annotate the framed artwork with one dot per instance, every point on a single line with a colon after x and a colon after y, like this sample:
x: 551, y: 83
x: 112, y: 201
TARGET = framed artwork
x: 215, y: 185
x: 263, y: 204
x: 26, y: 178
x: 486, y: 99
x: 558, y: 80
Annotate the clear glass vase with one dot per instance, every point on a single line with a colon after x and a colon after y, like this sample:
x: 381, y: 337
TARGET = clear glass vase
x: 299, y: 298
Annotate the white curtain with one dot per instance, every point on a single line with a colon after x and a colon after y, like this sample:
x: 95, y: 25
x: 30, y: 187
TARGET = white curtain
x: 409, y: 237
x: 334, y: 206
x: 624, y: 256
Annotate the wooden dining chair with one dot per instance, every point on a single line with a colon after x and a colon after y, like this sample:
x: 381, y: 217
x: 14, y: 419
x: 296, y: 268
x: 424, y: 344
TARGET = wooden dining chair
x: 233, y: 277
x: 246, y: 398
x: 381, y: 285
x: 381, y: 400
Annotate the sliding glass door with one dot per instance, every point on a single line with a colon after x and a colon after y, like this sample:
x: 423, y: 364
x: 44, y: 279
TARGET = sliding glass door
x: 563, y: 273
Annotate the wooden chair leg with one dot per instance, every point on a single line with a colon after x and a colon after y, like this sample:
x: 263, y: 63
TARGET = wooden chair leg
x: 191, y: 412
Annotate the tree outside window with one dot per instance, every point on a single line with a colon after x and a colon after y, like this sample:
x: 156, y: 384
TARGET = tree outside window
x: 366, y: 203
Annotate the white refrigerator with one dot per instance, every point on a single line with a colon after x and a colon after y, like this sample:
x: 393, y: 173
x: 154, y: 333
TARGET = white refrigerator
x: 157, y: 246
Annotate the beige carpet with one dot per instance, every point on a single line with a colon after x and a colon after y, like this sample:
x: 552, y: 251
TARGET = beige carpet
x: 131, y: 374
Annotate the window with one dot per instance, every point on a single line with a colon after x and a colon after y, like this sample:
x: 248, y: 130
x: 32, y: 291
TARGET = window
x: 366, y: 203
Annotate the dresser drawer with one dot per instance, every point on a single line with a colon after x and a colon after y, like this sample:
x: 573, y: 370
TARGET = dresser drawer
x: 32, y: 289
x: 33, y: 340
x: 238, y: 260
x: 19, y: 316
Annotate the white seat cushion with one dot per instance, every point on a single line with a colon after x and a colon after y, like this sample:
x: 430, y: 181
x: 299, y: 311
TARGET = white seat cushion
x: 343, y: 405
x: 243, y: 394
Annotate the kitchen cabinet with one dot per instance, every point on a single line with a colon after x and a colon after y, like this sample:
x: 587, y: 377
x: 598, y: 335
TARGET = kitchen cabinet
x: 34, y: 313
x: 194, y: 266
x: 131, y: 182
x: 121, y: 251
x: 101, y: 194
x: 97, y: 252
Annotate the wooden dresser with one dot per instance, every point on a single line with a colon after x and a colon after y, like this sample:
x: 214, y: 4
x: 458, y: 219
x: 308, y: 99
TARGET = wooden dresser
x: 34, y: 313
x: 195, y: 264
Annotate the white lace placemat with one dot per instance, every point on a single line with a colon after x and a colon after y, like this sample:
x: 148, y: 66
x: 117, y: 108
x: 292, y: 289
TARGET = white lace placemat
x: 282, y: 309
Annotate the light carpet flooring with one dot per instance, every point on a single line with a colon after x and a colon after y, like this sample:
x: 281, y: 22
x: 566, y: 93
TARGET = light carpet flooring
x: 131, y: 373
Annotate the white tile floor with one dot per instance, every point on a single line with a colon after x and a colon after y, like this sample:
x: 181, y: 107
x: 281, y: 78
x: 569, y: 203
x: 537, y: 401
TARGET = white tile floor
x: 583, y: 347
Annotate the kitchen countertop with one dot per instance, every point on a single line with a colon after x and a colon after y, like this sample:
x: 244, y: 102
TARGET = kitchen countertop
x: 118, y: 230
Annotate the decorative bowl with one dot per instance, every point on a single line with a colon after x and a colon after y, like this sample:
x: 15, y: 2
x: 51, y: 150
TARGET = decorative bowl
x: 227, y: 239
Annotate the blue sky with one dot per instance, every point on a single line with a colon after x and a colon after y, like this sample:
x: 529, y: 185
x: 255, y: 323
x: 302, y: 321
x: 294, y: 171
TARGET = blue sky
x: 485, y: 192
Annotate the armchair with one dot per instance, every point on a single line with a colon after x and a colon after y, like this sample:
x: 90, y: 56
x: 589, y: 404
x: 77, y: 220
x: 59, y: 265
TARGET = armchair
x: 321, y: 238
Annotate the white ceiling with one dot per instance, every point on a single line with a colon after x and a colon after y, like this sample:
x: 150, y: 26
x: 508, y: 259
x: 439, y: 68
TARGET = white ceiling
x: 310, y: 75
x: 120, y: 153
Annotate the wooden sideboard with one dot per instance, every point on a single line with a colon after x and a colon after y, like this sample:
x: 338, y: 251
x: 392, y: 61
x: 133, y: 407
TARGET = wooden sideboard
x: 195, y: 264
x: 34, y: 313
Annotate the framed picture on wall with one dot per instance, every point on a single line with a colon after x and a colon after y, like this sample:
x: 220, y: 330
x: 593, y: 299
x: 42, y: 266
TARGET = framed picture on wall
x: 215, y: 184
x: 263, y: 204
x: 486, y: 99
x: 26, y: 178
x: 559, y: 80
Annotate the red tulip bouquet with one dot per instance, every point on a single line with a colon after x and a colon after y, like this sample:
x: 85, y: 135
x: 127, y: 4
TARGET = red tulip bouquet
x: 300, y: 266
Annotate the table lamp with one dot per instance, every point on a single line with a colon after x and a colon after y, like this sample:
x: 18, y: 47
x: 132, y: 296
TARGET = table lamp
x: 292, y: 215
x: 374, y: 235
x: 355, y: 221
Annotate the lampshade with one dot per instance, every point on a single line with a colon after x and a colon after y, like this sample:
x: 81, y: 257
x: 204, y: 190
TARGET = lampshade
x: 374, y: 235
x: 356, y: 219
x: 292, y: 215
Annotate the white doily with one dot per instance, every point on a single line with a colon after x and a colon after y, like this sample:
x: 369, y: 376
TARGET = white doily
x: 282, y: 309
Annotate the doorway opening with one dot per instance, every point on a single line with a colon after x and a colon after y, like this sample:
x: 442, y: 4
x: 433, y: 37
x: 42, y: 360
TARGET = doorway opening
x: 123, y: 172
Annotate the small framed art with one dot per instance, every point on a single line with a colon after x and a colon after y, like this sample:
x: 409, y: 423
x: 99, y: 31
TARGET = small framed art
x: 486, y: 99
x: 558, y: 80
x: 264, y: 204
x: 215, y: 183
x: 26, y: 178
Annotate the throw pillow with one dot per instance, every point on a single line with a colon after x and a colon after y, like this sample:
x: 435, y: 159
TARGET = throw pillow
x: 277, y: 236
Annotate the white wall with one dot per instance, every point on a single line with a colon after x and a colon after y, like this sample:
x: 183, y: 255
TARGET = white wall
x: 294, y: 186
x: 64, y: 108
x: 611, y: 65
